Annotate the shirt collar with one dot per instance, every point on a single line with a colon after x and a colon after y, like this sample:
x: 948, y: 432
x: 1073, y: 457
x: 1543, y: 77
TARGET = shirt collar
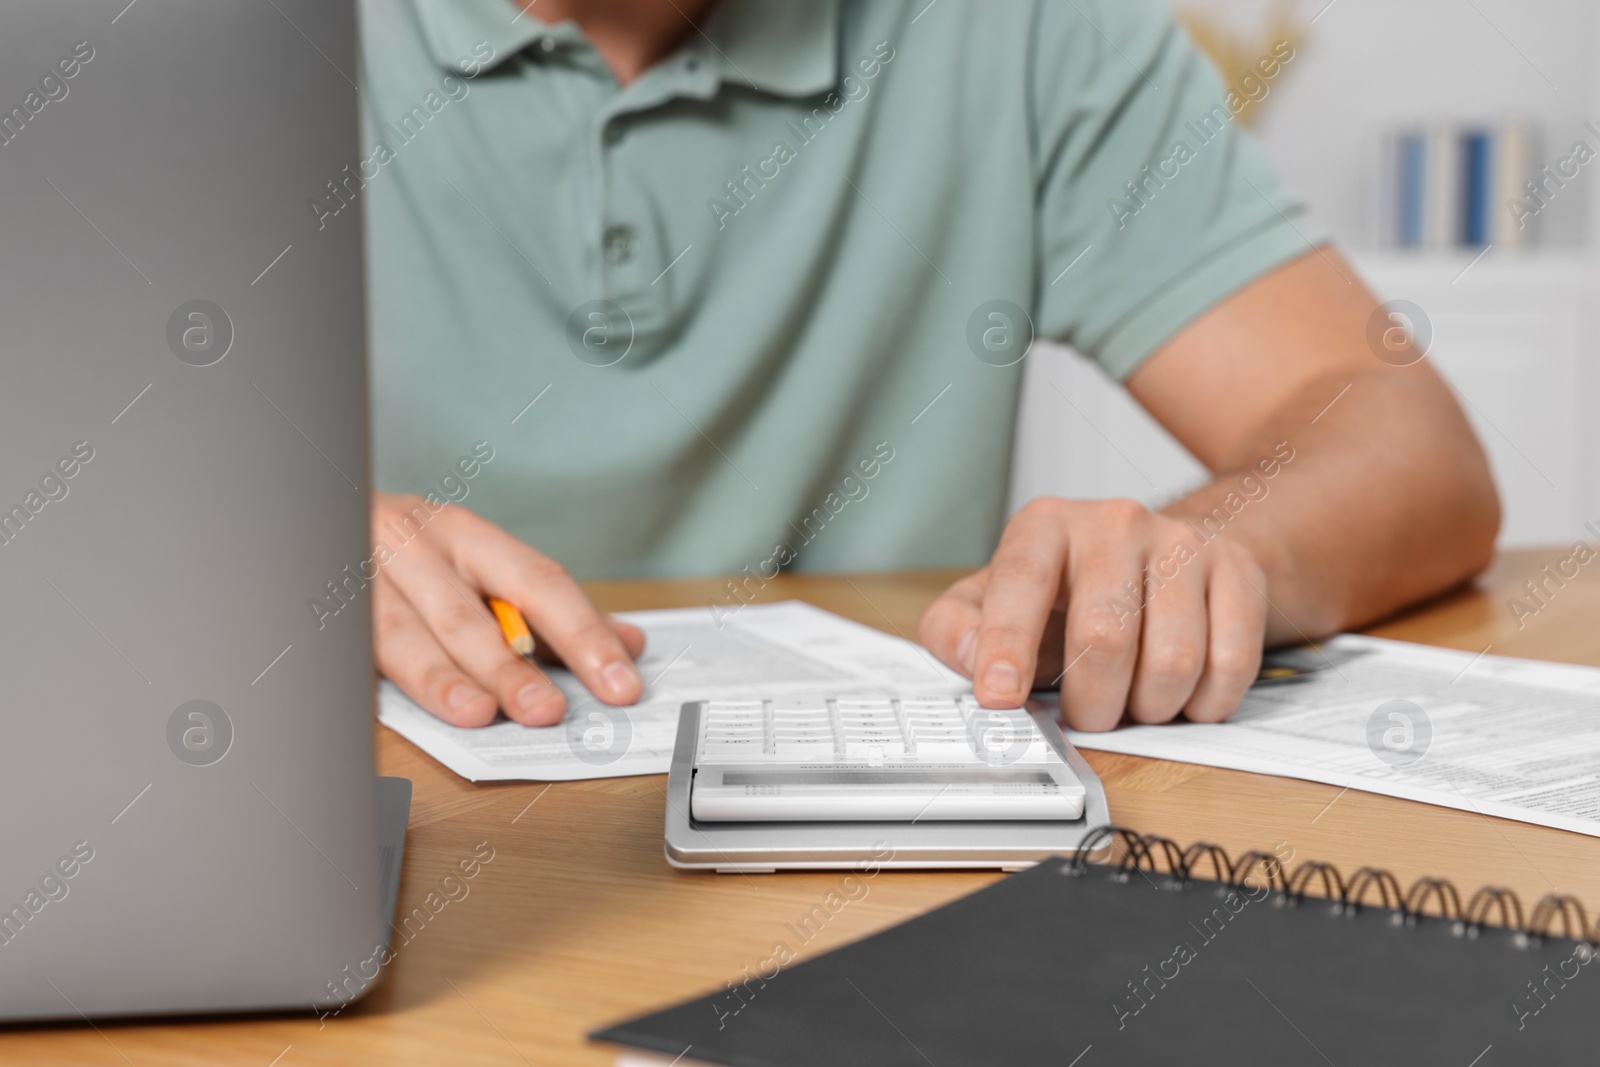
x: 782, y: 47
x: 457, y: 30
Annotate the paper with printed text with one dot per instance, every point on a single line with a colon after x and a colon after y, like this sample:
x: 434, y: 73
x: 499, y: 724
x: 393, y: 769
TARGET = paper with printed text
x: 1519, y: 739
x: 783, y: 649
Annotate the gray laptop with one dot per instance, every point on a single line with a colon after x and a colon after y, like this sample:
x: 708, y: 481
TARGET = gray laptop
x: 189, y: 816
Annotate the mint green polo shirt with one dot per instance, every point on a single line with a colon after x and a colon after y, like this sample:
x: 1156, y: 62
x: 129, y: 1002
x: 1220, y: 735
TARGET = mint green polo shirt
x: 767, y: 305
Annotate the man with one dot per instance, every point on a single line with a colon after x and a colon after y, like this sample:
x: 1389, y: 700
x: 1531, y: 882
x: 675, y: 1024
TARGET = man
x: 684, y: 287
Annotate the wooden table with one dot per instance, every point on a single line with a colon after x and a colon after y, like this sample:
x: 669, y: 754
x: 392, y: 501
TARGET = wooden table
x: 578, y: 920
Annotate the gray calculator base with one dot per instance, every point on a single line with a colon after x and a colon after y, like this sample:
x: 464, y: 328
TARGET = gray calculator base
x: 761, y: 848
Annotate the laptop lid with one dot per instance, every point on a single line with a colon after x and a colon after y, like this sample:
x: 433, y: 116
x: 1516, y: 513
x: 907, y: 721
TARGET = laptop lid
x: 186, y: 771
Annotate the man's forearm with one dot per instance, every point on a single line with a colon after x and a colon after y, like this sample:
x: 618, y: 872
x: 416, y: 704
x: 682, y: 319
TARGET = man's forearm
x: 1363, y: 493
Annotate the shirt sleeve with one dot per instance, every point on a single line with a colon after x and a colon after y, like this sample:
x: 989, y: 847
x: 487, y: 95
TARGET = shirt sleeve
x: 1144, y: 171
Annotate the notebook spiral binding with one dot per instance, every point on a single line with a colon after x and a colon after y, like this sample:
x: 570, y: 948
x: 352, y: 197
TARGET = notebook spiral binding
x: 1141, y: 852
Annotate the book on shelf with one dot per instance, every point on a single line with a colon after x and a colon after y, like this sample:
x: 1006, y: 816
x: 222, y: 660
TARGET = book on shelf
x: 1456, y: 186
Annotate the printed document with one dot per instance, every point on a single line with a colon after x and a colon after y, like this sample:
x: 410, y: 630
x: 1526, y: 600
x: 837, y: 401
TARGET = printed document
x: 1515, y: 738
x: 784, y: 649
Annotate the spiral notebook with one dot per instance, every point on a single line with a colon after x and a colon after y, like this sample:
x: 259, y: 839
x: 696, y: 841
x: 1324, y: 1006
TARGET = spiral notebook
x: 1168, y: 955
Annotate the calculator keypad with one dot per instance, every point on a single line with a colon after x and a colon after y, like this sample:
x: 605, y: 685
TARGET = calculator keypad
x: 859, y: 729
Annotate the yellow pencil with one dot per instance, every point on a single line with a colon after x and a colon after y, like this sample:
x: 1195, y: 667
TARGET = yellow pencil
x: 513, y: 625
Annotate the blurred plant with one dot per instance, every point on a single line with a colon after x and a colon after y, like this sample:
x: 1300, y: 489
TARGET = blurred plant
x: 1234, y: 53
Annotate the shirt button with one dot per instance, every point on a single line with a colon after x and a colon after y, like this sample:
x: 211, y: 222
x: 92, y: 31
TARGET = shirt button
x: 547, y: 44
x: 619, y: 244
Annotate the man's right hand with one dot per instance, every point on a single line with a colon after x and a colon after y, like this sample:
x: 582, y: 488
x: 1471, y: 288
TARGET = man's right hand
x: 435, y: 638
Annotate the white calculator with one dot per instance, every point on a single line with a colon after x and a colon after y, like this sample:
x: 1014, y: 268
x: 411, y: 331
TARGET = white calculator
x: 864, y: 759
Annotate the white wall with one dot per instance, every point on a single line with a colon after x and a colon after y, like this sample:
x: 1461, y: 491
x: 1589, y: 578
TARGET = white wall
x: 1081, y: 435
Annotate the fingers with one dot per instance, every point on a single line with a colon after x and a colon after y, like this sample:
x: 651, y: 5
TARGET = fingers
x: 1023, y: 585
x: 1115, y: 602
x: 439, y: 642
x: 948, y: 627
x: 631, y: 636
x: 1238, y: 622
x: 1104, y: 622
x: 461, y: 625
x: 555, y: 607
x: 1051, y: 667
x: 410, y: 656
x: 1172, y: 645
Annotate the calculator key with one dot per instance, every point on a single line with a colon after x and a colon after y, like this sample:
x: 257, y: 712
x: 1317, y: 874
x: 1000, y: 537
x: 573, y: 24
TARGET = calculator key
x: 811, y: 748
x: 879, y: 741
x: 808, y: 744
x: 997, y: 746
x: 941, y: 735
x: 737, y: 727
x: 945, y: 748
x: 873, y: 749
x: 734, y: 747
x: 821, y: 730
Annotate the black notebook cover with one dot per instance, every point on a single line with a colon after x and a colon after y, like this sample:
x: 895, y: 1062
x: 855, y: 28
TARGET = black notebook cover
x: 1108, y: 967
